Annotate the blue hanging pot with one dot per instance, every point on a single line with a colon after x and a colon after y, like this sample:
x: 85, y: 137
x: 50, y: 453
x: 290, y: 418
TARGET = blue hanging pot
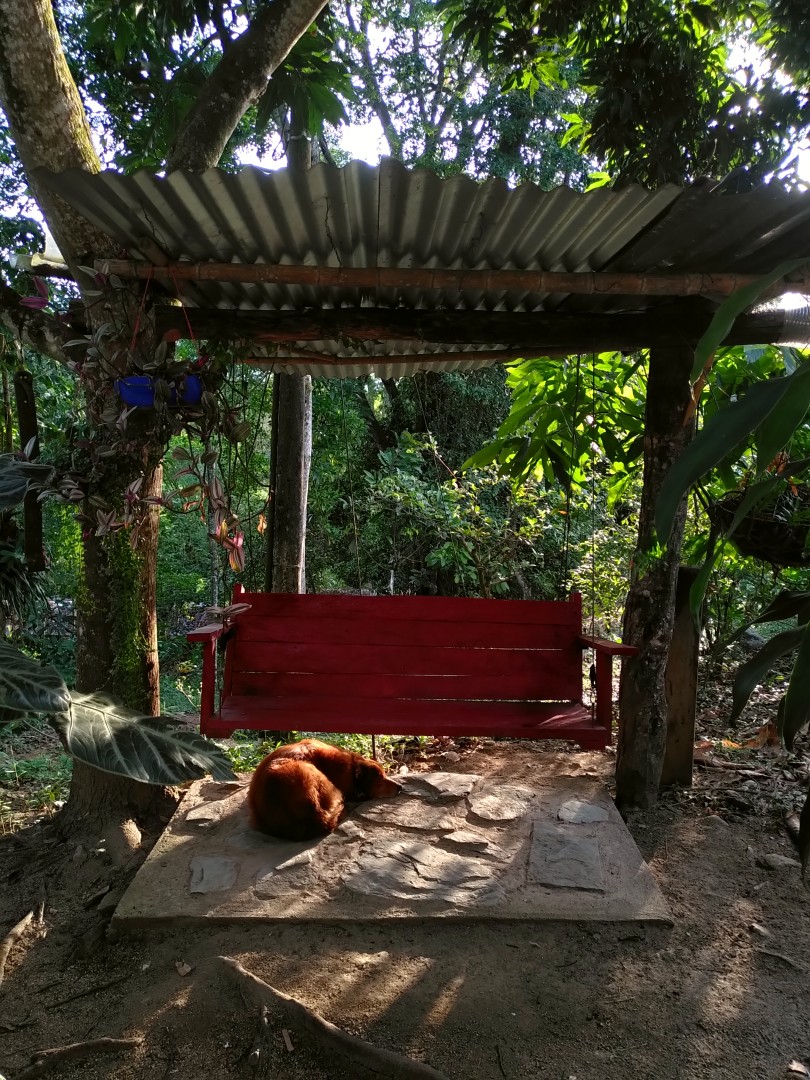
x: 139, y: 390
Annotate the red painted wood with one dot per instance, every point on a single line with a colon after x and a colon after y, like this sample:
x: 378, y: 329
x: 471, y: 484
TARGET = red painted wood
x: 373, y: 631
x: 604, y: 690
x: 426, y: 608
x: 345, y: 663
x: 550, y: 687
x: 611, y: 648
x: 209, y: 678
x: 395, y: 660
x: 506, y: 720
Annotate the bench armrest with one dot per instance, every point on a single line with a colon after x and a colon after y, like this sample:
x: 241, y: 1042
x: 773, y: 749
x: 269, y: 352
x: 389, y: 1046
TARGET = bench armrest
x: 207, y: 636
x: 603, y: 645
x: 206, y: 633
x: 605, y: 651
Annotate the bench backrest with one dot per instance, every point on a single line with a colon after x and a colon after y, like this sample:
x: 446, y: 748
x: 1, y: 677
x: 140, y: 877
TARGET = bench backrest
x: 416, y: 647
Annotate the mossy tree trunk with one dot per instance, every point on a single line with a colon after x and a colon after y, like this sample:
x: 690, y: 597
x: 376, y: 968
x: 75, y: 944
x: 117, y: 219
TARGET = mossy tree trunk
x: 117, y: 647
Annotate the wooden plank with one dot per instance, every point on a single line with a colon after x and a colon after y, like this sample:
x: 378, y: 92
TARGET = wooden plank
x: 425, y: 608
x: 681, y: 686
x: 562, y: 282
x: 398, y: 660
x: 554, y: 685
x: 407, y: 717
x: 374, y: 631
x: 518, y: 722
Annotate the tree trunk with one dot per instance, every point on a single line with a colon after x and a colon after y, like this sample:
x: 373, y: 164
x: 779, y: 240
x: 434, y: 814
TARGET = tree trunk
x: 291, y: 482
x: 116, y: 811
x: 116, y: 635
x: 238, y: 81
x: 650, y: 608
x: 291, y: 449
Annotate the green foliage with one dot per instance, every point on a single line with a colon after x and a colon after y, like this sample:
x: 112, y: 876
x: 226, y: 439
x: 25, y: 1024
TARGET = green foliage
x: 151, y: 749
x: 32, y: 768
x: 662, y: 101
x: 725, y: 433
x: 441, y: 110
x: 565, y: 414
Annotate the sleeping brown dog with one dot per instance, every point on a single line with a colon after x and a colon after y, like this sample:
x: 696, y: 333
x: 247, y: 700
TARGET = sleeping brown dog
x: 299, y: 791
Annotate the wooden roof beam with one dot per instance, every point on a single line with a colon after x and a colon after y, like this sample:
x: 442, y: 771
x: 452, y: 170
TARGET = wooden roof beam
x: 543, y: 332
x: 601, y: 283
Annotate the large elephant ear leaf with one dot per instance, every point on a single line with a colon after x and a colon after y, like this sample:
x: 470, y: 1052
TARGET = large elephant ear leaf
x: 797, y: 698
x: 152, y: 749
x: 26, y: 686
x: 752, y: 672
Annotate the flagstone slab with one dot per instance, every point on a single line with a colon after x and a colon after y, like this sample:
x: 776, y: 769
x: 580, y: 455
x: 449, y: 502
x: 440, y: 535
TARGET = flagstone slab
x: 451, y: 846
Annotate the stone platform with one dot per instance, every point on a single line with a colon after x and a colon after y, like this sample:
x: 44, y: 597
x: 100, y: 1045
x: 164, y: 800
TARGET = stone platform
x: 451, y: 846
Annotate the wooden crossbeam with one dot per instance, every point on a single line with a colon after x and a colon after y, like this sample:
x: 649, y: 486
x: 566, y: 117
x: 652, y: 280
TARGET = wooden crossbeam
x: 544, y: 332
x: 602, y: 283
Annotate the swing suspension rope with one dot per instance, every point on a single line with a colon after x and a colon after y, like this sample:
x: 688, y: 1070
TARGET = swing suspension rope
x: 566, y: 585
x: 436, y: 461
x: 351, y: 486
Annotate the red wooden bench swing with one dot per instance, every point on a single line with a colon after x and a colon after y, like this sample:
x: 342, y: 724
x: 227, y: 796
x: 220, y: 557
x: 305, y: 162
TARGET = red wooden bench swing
x: 408, y: 665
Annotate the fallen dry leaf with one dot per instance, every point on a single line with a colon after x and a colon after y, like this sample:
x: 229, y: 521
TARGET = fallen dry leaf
x: 797, y: 1068
x: 767, y: 735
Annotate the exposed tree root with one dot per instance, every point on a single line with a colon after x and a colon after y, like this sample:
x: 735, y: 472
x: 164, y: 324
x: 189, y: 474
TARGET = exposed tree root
x: 44, y: 1060
x: 384, y: 1062
x: 14, y: 934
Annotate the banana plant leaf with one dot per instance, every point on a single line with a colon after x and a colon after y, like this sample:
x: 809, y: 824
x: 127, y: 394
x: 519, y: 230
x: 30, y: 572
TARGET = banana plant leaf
x: 750, y: 674
x: 797, y: 699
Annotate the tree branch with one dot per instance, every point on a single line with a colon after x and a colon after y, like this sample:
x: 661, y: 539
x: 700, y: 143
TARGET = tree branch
x: 33, y: 328
x: 238, y: 81
x: 369, y: 77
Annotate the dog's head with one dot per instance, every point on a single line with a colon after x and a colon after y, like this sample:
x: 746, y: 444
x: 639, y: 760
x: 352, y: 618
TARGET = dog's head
x: 370, y: 782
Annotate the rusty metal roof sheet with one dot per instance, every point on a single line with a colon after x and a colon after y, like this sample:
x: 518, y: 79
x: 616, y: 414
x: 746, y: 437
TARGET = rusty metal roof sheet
x: 389, y: 216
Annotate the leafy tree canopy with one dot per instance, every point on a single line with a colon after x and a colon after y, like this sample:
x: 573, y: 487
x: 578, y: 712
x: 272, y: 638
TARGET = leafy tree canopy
x: 667, y: 98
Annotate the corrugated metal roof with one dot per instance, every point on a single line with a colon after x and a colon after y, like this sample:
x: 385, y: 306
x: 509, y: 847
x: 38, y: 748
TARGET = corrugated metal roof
x: 388, y: 216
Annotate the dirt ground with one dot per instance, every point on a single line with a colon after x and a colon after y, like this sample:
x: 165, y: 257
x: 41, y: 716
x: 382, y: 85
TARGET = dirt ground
x: 723, y: 994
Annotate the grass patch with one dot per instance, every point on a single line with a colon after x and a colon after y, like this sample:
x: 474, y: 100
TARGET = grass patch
x: 35, y: 772
x: 246, y: 750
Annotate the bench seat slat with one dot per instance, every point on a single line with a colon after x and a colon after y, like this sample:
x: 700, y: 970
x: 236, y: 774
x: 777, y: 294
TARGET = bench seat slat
x: 425, y: 608
x: 395, y: 660
x: 516, y: 719
x: 379, y: 631
x: 553, y: 684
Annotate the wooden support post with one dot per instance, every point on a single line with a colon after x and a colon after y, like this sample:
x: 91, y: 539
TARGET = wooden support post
x: 681, y: 686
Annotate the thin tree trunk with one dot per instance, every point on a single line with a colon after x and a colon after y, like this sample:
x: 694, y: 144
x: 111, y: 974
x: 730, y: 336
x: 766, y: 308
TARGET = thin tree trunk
x: 650, y: 609
x: 291, y: 448
x: 291, y: 482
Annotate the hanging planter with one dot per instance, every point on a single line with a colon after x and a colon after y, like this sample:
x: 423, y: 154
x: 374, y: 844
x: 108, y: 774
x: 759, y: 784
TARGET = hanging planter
x: 139, y: 391
x: 777, y: 532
